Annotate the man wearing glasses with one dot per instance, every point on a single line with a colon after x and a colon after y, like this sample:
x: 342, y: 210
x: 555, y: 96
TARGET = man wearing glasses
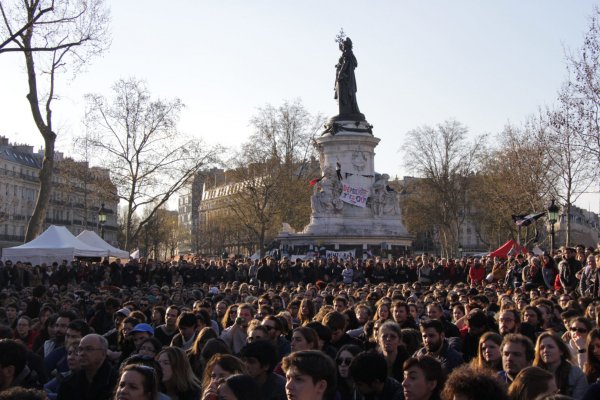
x: 96, y: 379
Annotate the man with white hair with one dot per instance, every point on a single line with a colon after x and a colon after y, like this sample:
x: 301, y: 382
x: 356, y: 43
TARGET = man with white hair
x: 97, y: 379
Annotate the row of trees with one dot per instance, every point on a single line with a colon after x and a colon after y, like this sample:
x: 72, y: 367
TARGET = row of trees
x: 554, y: 154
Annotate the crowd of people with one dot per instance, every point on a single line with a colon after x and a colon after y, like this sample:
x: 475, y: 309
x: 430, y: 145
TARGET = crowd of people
x: 416, y: 328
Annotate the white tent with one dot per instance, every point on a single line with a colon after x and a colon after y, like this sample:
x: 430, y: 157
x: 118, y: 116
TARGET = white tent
x: 55, y: 244
x: 92, y: 238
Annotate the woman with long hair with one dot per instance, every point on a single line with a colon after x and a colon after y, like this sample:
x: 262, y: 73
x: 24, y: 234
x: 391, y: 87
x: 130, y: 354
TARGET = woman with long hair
x: 219, y: 367
x: 488, y: 352
x: 194, y: 354
x: 591, y: 368
x: 229, y: 317
x: 178, y: 378
x: 553, y: 355
x: 345, y: 385
x: 383, y: 312
x: 579, y: 328
x: 532, y: 382
x: 306, y: 311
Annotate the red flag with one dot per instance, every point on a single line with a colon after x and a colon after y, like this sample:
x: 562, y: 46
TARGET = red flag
x: 315, y: 181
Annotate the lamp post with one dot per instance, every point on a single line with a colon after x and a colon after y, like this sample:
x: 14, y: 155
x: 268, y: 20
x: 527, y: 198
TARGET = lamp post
x: 102, y: 219
x: 552, y: 218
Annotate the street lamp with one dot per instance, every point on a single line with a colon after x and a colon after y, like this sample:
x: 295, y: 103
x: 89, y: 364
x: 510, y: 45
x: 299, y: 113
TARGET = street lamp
x: 102, y: 219
x: 552, y: 218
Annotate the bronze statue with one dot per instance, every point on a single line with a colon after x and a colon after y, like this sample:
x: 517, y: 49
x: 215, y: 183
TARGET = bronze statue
x: 345, y: 81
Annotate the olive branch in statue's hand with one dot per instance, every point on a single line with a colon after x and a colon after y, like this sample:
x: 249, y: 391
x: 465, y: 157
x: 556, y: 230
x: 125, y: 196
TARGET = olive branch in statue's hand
x: 341, y: 36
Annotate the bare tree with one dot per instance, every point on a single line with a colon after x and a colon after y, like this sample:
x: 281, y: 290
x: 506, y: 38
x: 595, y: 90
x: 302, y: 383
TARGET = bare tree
x: 137, y: 139
x: 272, y: 171
x: 571, y: 164
x: 53, y: 37
x: 514, y: 179
x: 583, y: 89
x: 445, y: 160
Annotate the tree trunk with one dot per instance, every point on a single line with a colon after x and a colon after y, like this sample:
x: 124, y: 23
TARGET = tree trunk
x: 36, y: 222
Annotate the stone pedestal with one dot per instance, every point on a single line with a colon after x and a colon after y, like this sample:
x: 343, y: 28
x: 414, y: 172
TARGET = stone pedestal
x: 340, y: 215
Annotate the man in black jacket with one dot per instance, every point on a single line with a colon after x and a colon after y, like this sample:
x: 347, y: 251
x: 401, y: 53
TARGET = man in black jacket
x: 97, y: 379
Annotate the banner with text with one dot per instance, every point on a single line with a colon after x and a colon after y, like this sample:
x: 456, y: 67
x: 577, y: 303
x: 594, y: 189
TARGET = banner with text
x: 342, y: 255
x: 355, y: 195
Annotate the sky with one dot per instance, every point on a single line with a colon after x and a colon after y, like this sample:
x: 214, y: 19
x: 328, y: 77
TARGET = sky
x: 483, y: 63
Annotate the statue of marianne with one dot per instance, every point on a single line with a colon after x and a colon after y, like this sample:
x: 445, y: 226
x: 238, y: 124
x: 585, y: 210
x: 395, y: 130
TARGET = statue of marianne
x: 345, y: 81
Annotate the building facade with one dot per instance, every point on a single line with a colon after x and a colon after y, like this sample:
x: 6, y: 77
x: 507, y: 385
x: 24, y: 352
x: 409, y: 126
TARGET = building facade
x: 189, y: 207
x: 78, y: 194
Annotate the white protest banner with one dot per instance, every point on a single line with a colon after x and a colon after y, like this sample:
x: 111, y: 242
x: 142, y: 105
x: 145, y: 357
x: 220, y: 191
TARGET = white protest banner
x: 355, y: 195
x: 342, y: 255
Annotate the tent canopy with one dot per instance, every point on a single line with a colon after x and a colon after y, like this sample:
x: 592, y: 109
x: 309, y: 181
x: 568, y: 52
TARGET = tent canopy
x: 54, y: 245
x: 91, y: 238
x: 511, y: 247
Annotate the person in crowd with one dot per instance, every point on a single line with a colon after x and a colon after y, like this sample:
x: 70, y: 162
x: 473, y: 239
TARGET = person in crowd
x: 476, y: 325
x: 187, y: 327
x: 309, y: 375
x: 423, y: 378
x: 488, y: 354
x: 139, y: 334
x: 579, y: 329
x: 165, y: 332
x: 436, y: 345
x: 194, y: 354
x: 13, y: 367
x: 218, y: 368
x: 51, y: 387
x: 389, y: 338
x: 57, y: 359
x: 150, y: 347
x: 553, y: 355
x: 435, y: 311
x: 236, y: 334
x: 260, y: 358
x: 591, y: 367
x: 467, y: 383
x: 370, y: 373
x: 517, y: 353
x: 178, y: 379
x: 337, y: 322
x: 304, y: 338
x: 24, y: 332
x: 509, y: 321
x: 137, y: 382
x: 275, y: 329
x: 238, y: 387
x: 95, y: 379
x: 306, y: 311
x: 401, y: 314
x: 532, y: 383
x: 345, y: 385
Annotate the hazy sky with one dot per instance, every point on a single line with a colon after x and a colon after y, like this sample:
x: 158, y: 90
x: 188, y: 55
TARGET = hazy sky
x: 484, y: 63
